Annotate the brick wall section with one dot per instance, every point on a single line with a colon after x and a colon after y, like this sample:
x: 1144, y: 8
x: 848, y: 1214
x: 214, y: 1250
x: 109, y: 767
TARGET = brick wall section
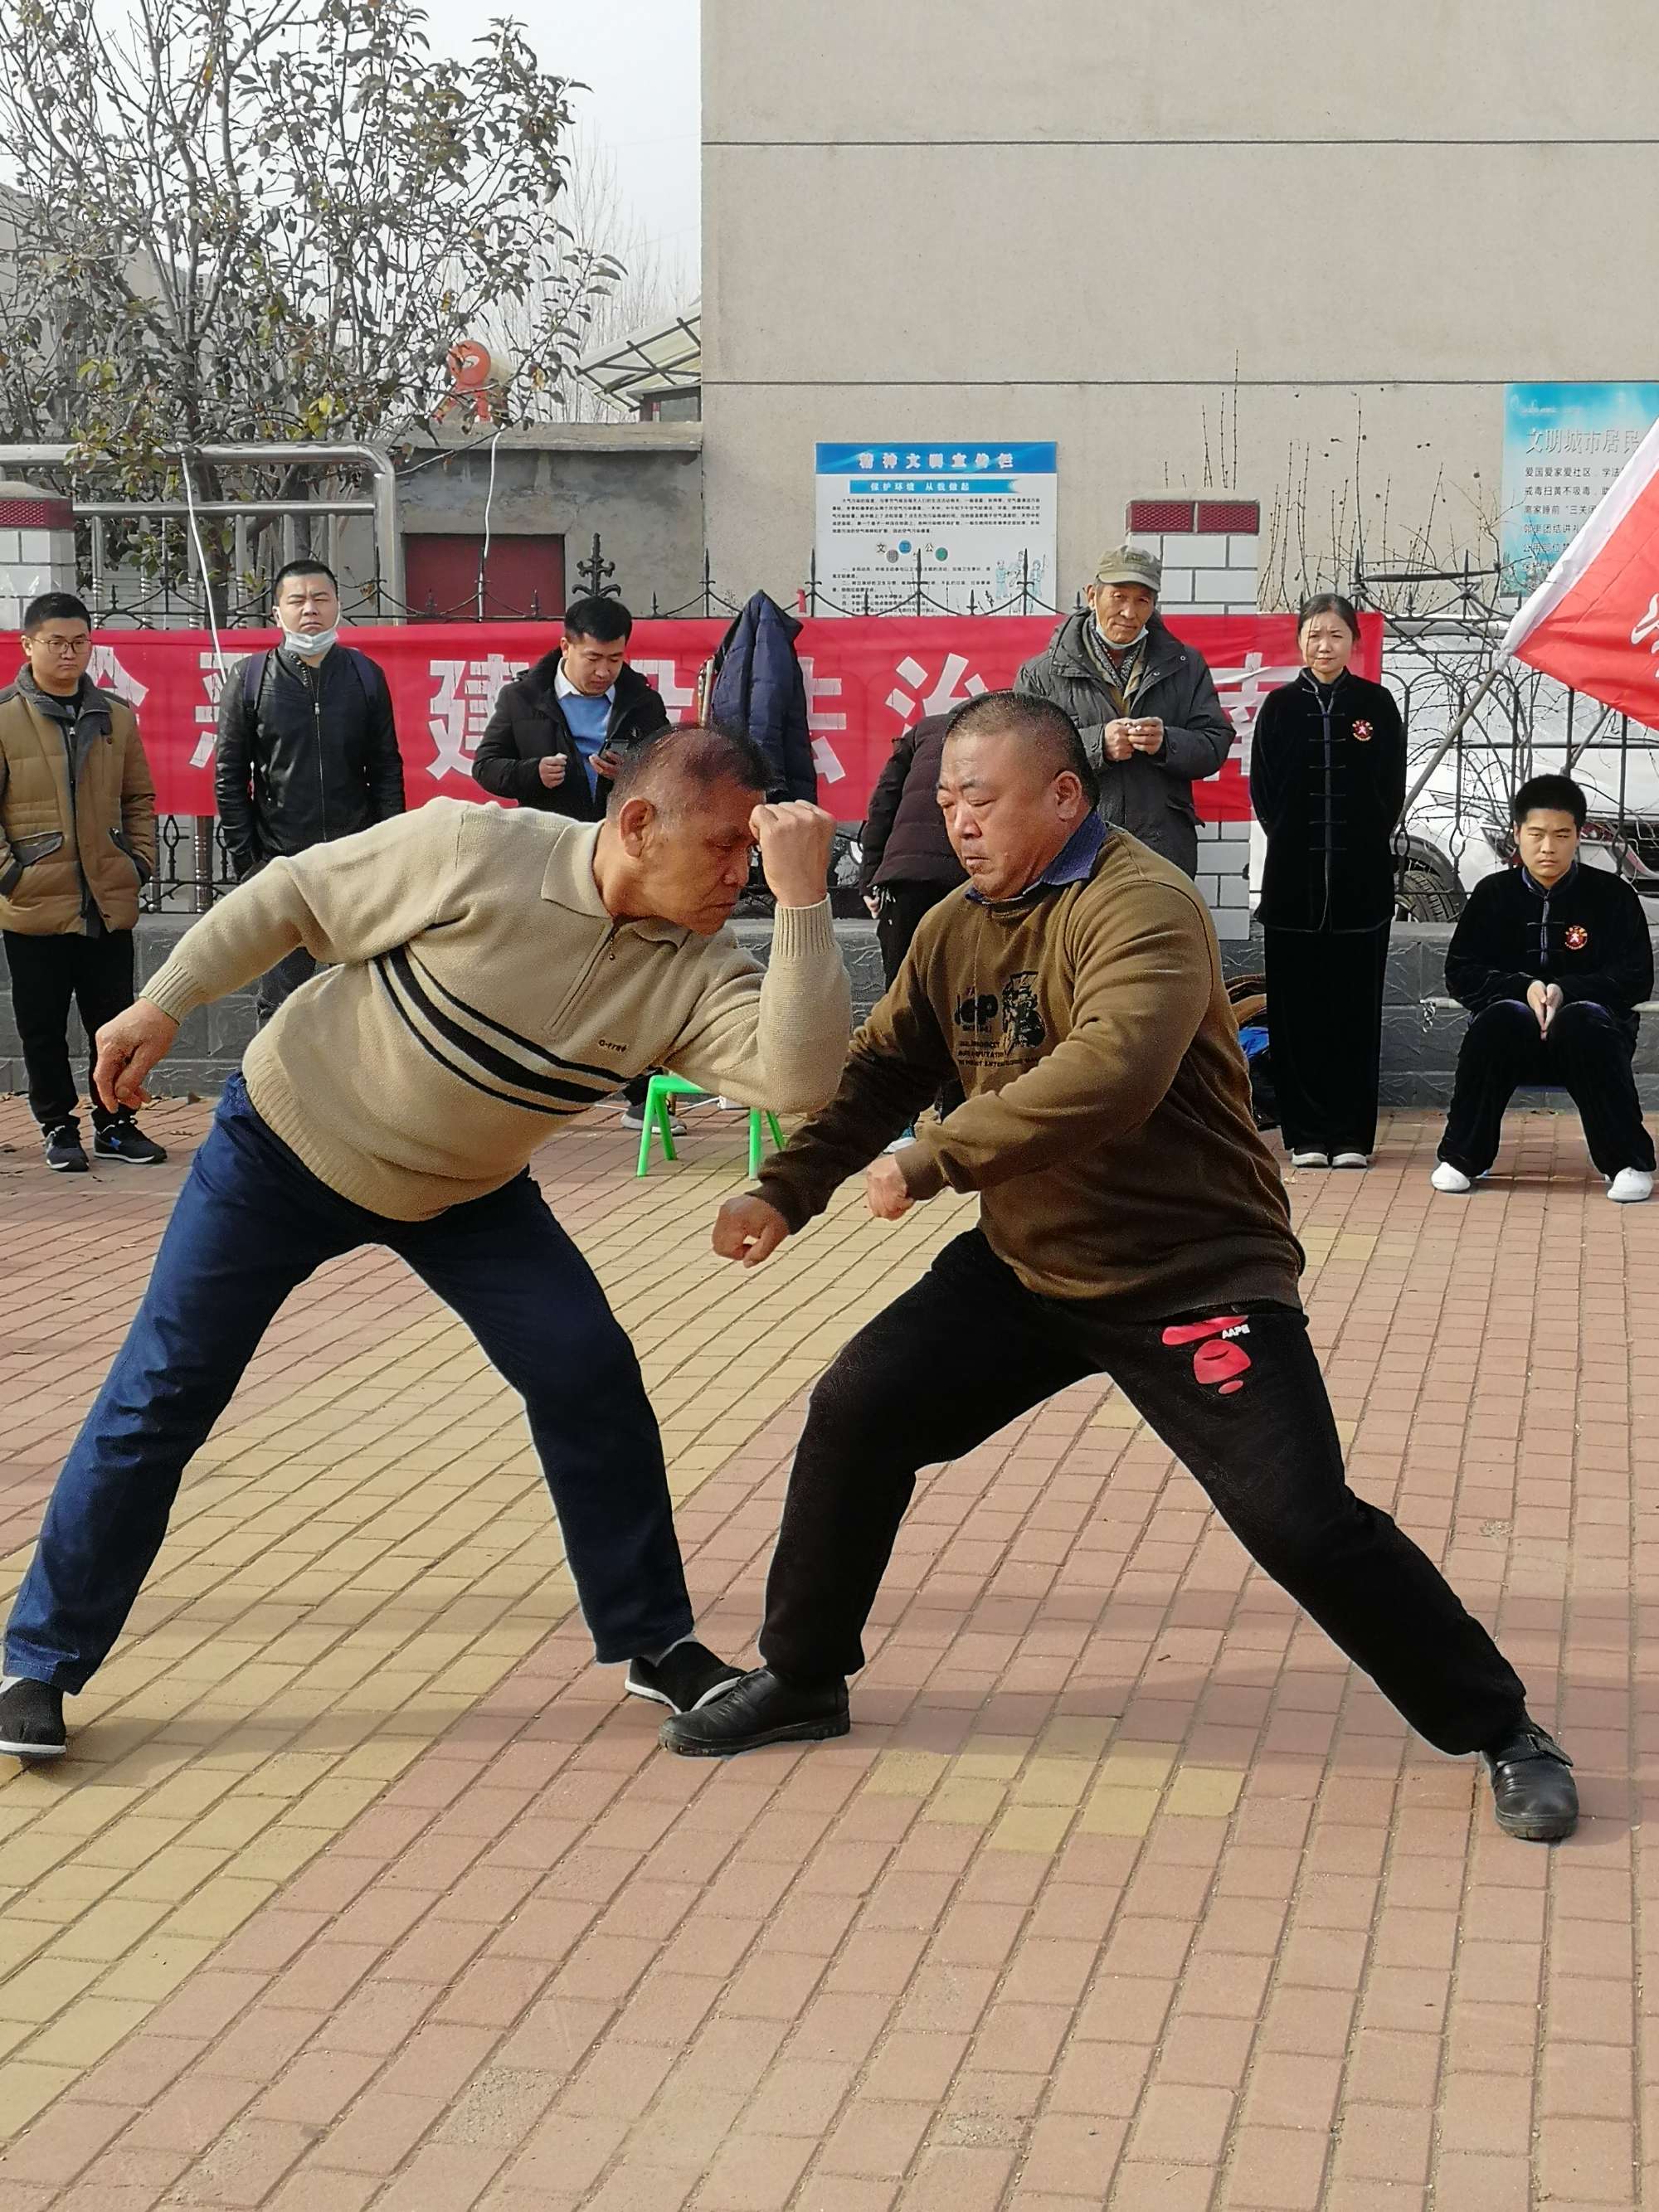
x: 1209, y: 549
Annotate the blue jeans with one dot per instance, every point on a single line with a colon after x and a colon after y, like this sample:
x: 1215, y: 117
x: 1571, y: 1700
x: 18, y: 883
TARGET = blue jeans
x: 250, y: 1222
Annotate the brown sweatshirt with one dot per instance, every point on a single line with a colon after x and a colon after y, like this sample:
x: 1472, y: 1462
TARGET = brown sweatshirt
x: 483, y: 996
x: 1107, y: 1126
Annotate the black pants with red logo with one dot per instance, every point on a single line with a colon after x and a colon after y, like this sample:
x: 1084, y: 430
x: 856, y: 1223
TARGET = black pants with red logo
x: 1236, y: 1395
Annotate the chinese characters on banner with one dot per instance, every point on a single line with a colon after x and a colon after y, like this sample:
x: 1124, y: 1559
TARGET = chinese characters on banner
x: 866, y: 681
x: 970, y: 520
x: 1564, y: 447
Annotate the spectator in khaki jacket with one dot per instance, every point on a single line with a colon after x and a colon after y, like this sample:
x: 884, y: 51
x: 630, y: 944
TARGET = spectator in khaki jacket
x: 77, y: 844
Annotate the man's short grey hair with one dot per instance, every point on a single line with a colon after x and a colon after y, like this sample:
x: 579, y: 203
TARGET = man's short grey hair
x: 678, y: 767
x: 1046, y: 729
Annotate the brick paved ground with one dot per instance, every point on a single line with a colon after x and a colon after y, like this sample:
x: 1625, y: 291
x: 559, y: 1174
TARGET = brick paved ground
x: 366, y: 1889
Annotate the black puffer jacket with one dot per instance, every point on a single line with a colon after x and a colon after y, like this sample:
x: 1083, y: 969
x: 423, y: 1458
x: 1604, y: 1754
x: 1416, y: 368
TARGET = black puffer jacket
x: 528, y: 726
x: 311, y: 756
x: 1150, y: 795
x: 904, y: 840
x: 1327, y: 780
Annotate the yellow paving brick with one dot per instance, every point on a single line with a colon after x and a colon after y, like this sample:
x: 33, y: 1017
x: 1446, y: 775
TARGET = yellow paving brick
x: 1053, y: 1782
x: 283, y: 1851
x: 1030, y: 1828
x: 1075, y: 1736
x: 905, y: 1773
x: 990, y: 1759
x: 1139, y: 1766
x: 86, y: 2030
x: 152, y: 1970
x: 67, y: 1891
x: 969, y: 1804
x: 174, y: 1873
x: 1205, y: 1793
x: 1112, y: 1811
x: 108, y: 1929
x: 27, y: 2087
x: 1116, y: 1413
x: 219, y: 1906
x: 45, y: 1986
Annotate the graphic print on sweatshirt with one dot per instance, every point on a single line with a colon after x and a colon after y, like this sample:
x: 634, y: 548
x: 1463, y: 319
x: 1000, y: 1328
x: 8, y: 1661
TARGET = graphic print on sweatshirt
x: 999, y: 1029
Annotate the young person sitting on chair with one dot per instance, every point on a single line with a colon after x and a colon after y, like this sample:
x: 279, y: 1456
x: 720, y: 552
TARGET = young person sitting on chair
x: 1552, y: 959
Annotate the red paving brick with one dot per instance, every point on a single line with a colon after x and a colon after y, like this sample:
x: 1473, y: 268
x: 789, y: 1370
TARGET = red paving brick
x: 1123, y: 1892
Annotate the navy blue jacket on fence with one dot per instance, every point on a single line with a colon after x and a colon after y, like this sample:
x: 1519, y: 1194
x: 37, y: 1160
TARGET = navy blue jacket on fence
x: 758, y: 688
x: 1590, y: 934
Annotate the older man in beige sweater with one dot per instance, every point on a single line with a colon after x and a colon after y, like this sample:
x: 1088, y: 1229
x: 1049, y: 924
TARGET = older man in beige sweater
x: 492, y: 976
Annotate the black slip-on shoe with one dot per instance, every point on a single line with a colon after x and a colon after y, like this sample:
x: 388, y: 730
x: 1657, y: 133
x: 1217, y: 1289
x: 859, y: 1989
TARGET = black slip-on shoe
x: 32, y: 1720
x: 685, y: 1679
x: 1534, y: 1793
x: 761, y: 1709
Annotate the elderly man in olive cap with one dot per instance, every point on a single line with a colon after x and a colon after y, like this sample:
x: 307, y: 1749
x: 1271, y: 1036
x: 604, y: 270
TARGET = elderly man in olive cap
x: 1144, y: 703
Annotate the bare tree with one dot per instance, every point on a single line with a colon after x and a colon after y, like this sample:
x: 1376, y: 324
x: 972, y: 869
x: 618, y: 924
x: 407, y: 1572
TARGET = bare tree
x: 649, y: 287
x: 235, y: 219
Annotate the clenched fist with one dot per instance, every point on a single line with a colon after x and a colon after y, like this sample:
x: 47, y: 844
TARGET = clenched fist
x: 748, y: 1229
x: 794, y: 838
x: 886, y: 1192
x: 552, y: 770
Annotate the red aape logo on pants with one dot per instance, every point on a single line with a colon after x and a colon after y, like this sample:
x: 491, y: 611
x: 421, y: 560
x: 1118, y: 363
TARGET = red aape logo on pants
x: 1219, y: 1359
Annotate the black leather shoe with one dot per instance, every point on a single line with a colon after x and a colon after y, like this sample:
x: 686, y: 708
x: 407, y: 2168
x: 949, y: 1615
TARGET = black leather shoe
x: 1533, y: 1790
x: 761, y: 1709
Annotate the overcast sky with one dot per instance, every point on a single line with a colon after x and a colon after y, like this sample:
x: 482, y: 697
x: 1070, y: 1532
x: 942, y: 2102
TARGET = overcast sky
x: 641, y: 58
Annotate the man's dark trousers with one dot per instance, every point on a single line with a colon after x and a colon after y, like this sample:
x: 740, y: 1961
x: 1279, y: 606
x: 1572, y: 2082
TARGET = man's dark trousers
x: 278, y: 984
x: 1585, y: 1052
x: 1236, y: 1393
x: 49, y: 976
x: 251, y: 1223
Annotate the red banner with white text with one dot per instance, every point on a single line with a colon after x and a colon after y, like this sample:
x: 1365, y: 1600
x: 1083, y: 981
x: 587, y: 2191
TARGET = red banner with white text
x: 866, y: 680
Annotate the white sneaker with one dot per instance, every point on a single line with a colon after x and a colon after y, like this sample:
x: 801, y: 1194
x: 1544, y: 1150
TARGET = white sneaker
x: 1352, y: 1160
x: 1311, y: 1159
x: 1630, y: 1186
x: 1451, y: 1180
x: 903, y: 1142
x: 730, y: 1106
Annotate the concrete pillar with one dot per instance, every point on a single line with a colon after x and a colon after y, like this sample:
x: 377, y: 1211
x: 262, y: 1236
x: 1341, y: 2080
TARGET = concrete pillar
x: 37, y: 547
x: 1209, y: 549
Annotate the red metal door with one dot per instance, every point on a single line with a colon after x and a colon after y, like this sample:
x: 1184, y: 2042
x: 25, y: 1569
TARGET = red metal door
x: 523, y: 577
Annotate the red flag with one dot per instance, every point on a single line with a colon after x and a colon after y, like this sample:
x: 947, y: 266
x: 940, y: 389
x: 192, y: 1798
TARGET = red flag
x: 1594, y: 621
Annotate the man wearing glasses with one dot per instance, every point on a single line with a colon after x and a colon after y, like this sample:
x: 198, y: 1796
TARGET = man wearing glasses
x: 307, y: 749
x: 77, y: 844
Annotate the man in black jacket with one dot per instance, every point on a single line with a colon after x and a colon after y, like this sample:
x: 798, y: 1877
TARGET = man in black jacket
x: 307, y: 747
x: 559, y: 730
x: 1551, y: 958
x: 908, y: 865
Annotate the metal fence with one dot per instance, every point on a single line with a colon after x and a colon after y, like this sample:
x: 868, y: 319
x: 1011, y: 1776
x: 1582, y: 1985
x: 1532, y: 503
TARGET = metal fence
x: 1509, y: 722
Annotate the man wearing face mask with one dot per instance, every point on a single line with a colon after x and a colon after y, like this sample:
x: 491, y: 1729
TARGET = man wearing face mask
x: 307, y: 747
x: 1144, y: 704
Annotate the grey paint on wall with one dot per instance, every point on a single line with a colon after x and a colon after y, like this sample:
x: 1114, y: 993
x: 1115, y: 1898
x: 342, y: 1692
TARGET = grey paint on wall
x: 1297, y: 249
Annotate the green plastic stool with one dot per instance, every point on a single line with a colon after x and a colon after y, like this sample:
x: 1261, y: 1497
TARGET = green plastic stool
x: 662, y: 1088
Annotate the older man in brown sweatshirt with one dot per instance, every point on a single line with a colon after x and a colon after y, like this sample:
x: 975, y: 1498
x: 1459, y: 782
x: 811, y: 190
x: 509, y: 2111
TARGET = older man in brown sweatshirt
x: 1131, y: 1222
x: 491, y: 975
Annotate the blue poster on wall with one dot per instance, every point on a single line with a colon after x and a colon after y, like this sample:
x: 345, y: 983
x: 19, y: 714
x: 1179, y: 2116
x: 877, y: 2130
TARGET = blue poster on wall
x: 1564, y: 447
